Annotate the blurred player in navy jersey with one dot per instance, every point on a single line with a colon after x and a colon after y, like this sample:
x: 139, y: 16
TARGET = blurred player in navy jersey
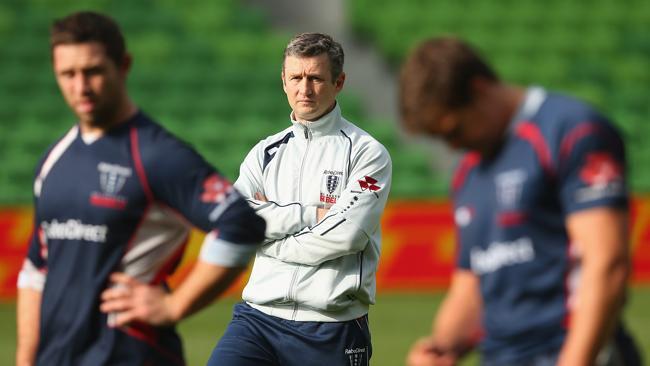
x: 541, y: 209
x: 118, y: 193
x: 321, y: 185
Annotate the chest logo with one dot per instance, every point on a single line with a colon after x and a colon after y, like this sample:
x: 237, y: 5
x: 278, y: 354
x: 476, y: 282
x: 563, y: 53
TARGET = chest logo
x: 112, y: 178
x: 509, y: 186
x: 330, y: 186
x: 463, y: 216
x: 332, y: 183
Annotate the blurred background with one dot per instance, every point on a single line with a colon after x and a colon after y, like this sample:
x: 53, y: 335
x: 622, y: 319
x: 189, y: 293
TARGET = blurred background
x: 209, y: 71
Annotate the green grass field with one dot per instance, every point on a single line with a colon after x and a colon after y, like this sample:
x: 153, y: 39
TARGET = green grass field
x: 396, y: 321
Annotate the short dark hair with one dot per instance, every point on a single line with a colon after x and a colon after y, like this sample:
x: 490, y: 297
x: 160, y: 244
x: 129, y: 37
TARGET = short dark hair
x: 439, y: 72
x: 314, y: 44
x: 88, y: 26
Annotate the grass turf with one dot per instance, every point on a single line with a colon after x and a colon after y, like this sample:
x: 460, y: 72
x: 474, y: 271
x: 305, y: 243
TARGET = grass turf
x: 396, y: 321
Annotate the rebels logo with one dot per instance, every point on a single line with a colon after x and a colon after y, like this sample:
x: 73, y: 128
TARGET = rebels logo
x: 330, y: 188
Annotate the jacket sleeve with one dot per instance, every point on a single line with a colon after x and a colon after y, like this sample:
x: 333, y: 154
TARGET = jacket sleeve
x: 350, y: 222
x: 282, y: 218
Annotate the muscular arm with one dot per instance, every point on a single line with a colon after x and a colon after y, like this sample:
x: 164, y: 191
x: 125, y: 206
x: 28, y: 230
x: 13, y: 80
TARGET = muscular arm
x: 28, y: 311
x: 456, y: 325
x: 600, y: 236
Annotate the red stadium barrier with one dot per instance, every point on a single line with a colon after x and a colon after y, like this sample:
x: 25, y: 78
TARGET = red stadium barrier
x: 417, y: 249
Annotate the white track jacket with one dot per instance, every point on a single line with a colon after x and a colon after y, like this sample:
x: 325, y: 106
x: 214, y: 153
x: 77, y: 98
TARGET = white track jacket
x: 309, y: 271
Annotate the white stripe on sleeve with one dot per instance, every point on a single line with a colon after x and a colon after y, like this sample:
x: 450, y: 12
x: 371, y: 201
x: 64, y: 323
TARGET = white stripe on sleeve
x: 224, y: 253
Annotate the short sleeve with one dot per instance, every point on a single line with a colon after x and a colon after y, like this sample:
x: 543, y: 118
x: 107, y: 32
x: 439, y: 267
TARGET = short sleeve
x: 592, y: 171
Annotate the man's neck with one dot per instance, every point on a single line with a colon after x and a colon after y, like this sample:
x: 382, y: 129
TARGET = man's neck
x: 307, y: 122
x: 123, y: 114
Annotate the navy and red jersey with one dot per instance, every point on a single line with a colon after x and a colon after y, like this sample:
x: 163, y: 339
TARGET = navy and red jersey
x: 123, y: 202
x: 559, y: 156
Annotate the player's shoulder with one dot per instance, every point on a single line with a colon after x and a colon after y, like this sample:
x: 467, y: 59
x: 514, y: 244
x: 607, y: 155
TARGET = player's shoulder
x: 282, y: 135
x: 360, y: 139
x: 153, y: 137
x: 157, y: 146
x: 561, y: 111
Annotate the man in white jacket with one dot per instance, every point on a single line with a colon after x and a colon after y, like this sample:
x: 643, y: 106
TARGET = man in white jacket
x: 321, y: 185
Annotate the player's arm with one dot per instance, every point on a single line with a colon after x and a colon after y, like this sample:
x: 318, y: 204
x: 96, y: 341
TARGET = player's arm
x: 282, y: 218
x: 132, y: 300
x: 31, y: 280
x: 593, y: 193
x: 601, y: 239
x: 349, y: 223
x: 208, y: 201
x: 456, y: 327
x: 28, y: 311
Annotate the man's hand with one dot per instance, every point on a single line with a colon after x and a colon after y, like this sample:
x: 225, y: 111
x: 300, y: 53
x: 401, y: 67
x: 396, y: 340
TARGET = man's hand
x: 130, y: 300
x: 425, y: 353
x: 321, y: 212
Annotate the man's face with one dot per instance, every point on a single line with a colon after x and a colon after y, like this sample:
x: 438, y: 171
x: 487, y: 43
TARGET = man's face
x: 466, y: 128
x: 308, y: 83
x: 90, y: 81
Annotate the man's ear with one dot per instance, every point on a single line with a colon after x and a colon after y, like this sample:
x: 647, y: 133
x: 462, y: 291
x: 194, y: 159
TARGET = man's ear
x: 338, y: 84
x: 480, y: 85
x: 127, y: 62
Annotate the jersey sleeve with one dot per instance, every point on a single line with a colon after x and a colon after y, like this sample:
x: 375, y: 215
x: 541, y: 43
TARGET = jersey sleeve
x: 592, y: 170
x: 181, y: 179
x: 350, y: 222
x: 282, y: 218
x: 34, y: 269
x: 462, y: 254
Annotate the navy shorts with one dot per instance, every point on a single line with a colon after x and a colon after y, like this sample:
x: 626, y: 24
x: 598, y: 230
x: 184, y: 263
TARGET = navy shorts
x: 256, y: 339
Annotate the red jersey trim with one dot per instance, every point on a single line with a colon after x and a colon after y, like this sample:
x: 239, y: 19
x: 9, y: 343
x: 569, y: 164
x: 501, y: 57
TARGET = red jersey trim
x: 531, y: 133
x: 139, y: 167
x: 470, y: 160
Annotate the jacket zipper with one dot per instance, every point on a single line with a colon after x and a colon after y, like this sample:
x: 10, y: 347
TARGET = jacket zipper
x: 291, y: 295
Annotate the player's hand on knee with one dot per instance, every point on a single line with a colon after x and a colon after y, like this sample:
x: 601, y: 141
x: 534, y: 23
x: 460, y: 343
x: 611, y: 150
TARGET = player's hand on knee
x: 425, y: 353
x: 129, y: 300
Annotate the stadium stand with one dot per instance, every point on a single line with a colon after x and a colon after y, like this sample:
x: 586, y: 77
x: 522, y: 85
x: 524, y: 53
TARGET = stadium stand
x: 599, y: 50
x: 208, y: 71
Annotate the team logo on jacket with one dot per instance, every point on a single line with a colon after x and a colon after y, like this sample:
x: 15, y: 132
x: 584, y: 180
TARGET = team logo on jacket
x: 330, y: 186
x: 112, y: 178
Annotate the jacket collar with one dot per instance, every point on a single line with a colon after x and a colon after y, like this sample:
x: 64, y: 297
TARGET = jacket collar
x: 322, y: 126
